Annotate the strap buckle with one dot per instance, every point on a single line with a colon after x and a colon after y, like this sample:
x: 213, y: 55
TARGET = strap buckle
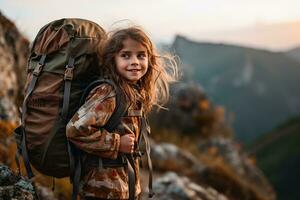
x: 37, y: 70
x: 69, y: 73
x: 69, y: 69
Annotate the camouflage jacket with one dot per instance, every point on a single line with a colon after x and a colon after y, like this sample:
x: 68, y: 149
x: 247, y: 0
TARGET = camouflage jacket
x: 86, y: 132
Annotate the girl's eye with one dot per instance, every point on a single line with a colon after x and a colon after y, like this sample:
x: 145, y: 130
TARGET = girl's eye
x: 142, y: 56
x: 124, y: 55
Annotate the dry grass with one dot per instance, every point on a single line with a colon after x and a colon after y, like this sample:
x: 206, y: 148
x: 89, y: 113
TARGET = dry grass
x: 223, y: 178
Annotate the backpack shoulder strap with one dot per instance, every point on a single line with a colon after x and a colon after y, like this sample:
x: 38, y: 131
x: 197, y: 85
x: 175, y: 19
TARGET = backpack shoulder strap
x: 121, y: 103
x: 113, y: 122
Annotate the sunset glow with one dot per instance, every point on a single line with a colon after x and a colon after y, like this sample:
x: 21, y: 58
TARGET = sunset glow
x: 261, y: 24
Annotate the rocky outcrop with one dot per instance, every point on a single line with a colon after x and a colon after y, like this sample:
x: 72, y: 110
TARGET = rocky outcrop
x: 218, y: 160
x: 191, y: 112
x: 228, y: 172
x: 230, y: 152
x: 14, y: 49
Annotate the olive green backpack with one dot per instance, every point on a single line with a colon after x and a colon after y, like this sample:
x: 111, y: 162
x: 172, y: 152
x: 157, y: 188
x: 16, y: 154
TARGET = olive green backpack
x: 63, y: 62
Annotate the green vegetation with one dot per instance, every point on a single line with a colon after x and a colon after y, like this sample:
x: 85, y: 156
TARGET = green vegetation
x: 278, y: 155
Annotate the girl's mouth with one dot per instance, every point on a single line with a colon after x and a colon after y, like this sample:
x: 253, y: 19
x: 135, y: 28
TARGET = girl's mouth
x: 134, y: 70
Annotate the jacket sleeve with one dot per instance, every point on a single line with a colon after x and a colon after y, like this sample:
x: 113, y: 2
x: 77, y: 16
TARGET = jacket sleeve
x: 85, y: 129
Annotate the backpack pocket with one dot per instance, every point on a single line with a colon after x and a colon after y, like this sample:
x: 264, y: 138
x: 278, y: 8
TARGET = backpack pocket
x: 43, y: 109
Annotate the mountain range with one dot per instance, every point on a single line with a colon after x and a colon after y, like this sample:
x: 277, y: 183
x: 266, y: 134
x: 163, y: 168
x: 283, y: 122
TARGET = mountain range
x: 259, y: 87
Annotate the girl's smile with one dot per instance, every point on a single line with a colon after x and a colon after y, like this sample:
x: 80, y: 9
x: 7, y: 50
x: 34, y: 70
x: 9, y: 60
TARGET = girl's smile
x: 132, y: 60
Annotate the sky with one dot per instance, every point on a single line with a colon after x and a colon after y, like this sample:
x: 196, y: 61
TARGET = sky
x: 266, y: 24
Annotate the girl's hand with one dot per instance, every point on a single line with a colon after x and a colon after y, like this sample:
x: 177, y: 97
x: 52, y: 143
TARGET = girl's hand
x: 127, y: 143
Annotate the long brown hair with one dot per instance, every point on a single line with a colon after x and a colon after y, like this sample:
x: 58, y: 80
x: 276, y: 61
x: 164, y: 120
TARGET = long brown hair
x: 161, y: 71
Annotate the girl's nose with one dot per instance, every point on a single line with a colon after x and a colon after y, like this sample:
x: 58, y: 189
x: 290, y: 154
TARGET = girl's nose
x: 134, y: 61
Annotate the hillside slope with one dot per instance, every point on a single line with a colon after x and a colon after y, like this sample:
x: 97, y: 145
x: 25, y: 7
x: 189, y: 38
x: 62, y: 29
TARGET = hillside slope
x: 278, y: 155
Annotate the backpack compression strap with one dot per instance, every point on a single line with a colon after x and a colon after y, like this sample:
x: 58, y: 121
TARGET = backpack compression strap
x: 68, y: 77
x: 35, y: 76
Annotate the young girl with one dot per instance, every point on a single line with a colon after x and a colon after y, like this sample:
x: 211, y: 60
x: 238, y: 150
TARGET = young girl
x: 132, y: 63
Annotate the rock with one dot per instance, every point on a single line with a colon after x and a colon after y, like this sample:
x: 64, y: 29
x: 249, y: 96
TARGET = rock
x: 6, y: 176
x: 15, y: 187
x: 172, y: 186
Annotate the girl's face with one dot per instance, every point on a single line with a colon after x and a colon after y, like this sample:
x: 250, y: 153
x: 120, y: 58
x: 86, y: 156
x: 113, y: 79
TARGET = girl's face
x: 132, y: 61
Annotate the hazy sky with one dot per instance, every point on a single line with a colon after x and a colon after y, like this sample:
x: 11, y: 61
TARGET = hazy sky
x: 270, y: 24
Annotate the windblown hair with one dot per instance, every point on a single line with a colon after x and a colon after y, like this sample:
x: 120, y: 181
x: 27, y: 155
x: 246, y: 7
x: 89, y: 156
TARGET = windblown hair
x: 154, y: 85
